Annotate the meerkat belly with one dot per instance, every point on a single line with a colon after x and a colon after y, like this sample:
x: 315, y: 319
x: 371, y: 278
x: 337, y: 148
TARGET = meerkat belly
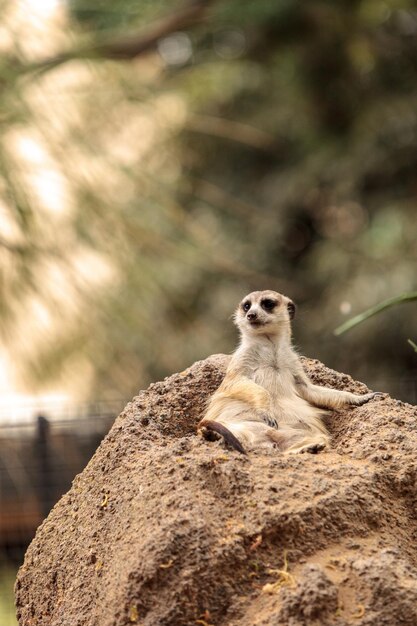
x: 286, y: 406
x: 275, y: 381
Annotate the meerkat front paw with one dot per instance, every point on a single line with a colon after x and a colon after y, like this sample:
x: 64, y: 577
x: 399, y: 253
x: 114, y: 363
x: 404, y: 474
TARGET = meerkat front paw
x: 368, y: 396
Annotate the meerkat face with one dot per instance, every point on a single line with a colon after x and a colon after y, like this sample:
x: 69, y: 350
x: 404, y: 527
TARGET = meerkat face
x: 264, y: 313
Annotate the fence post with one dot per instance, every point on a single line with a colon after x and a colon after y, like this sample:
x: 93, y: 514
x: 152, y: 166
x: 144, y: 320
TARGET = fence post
x: 43, y: 453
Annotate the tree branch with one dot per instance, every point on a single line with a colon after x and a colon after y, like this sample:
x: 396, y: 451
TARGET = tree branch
x: 124, y: 47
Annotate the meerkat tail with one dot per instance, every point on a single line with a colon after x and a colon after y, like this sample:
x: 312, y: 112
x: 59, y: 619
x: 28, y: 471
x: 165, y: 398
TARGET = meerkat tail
x: 227, y: 435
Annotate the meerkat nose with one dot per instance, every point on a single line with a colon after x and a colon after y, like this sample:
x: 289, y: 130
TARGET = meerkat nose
x: 251, y: 316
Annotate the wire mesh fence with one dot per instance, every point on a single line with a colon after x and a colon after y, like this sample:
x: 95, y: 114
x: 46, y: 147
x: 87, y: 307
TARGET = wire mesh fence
x: 39, y: 458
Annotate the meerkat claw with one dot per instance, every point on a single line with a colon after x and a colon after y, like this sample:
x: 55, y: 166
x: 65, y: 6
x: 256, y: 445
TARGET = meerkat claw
x: 369, y: 396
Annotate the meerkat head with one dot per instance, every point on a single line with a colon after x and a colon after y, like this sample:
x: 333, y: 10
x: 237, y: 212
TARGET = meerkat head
x: 264, y: 313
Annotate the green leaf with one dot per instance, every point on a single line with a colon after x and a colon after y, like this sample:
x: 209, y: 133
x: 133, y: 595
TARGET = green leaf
x: 412, y: 344
x: 386, y: 304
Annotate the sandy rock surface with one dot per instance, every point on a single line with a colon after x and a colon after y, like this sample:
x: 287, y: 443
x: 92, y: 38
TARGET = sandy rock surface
x: 163, y: 528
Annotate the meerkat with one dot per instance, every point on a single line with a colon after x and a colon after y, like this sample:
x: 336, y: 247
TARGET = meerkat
x: 266, y: 399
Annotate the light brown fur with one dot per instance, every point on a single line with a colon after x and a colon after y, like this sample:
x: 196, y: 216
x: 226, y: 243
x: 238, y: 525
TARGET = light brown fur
x: 266, y: 399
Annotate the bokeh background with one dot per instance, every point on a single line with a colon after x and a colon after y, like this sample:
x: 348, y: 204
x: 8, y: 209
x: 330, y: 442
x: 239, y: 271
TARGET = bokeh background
x: 159, y: 160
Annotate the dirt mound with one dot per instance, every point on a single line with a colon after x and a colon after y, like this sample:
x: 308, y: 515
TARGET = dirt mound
x: 163, y: 528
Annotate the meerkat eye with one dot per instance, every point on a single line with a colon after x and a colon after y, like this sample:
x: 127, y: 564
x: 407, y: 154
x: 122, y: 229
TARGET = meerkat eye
x: 246, y: 306
x: 268, y: 305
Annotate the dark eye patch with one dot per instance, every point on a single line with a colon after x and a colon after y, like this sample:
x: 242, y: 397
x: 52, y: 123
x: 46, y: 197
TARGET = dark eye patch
x: 268, y: 305
x: 246, y: 306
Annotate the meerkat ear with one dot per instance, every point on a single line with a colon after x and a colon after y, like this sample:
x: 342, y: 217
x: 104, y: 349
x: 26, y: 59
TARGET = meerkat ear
x: 291, y: 309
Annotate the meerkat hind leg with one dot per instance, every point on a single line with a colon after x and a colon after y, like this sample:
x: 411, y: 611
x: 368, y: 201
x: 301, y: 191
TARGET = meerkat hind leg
x: 289, y: 441
x: 256, y: 434
x: 309, y: 443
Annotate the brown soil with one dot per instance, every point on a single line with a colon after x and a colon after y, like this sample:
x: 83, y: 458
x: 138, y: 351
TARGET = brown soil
x: 163, y: 528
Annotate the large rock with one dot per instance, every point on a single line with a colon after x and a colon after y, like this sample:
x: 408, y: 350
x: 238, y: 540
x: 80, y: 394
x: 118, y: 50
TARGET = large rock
x: 163, y: 528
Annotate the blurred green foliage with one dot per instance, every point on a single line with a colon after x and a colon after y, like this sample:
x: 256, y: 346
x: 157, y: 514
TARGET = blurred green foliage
x: 111, y: 15
x: 267, y: 145
x: 7, y: 608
